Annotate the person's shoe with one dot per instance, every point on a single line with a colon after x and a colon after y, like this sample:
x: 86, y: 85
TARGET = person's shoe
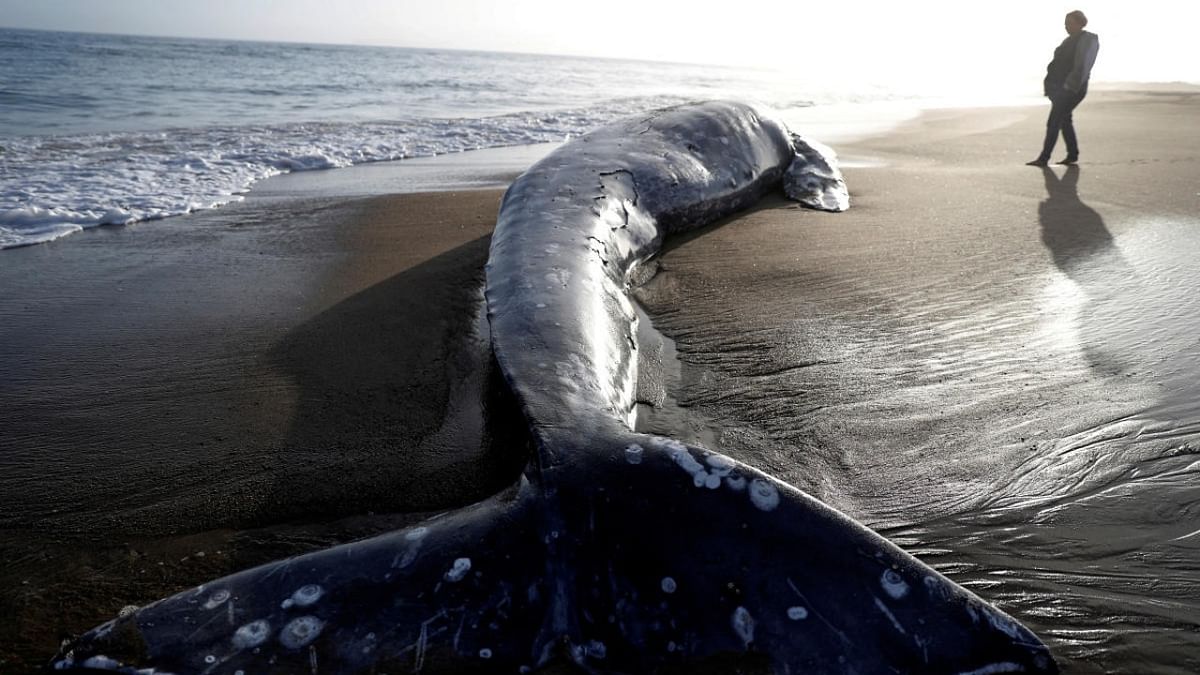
x: 1068, y: 160
x: 1038, y: 162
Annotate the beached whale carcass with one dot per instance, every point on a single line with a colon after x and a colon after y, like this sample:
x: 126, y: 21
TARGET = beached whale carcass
x: 619, y: 551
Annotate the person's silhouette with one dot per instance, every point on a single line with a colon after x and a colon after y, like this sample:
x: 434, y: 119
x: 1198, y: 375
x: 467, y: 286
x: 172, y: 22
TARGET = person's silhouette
x: 1066, y: 85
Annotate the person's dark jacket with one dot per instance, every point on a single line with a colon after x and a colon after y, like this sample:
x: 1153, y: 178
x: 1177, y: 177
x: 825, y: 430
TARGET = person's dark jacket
x: 1072, y: 64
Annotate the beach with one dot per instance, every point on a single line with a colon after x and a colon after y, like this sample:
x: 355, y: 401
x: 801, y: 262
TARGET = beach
x: 990, y: 364
x: 244, y: 375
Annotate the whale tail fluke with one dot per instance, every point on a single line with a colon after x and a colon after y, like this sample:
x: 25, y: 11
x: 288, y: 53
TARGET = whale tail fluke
x: 457, y: 594
x: 692, y: 559
x: 645, y: 556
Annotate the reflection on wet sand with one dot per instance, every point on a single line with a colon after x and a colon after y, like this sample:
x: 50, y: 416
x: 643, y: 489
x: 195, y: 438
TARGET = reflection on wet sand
x: 1103, y: 515
x: 1083, y: 249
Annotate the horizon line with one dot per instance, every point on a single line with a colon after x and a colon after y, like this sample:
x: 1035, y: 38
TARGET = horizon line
x: 381, y: 45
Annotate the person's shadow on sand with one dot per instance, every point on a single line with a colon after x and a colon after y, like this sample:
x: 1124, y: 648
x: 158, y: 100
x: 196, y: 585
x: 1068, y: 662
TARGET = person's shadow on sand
x: 1073, y: 231
x: 1083, y: 249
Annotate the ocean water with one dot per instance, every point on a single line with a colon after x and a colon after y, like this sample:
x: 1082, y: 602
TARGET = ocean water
x: 108, y: 129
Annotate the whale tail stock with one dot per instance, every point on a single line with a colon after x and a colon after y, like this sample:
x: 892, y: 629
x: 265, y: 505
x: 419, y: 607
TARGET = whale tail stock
x: 645, y: 556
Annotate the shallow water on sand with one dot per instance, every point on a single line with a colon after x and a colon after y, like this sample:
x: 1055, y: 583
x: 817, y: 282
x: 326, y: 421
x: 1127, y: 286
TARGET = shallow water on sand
x: 1027, y: 421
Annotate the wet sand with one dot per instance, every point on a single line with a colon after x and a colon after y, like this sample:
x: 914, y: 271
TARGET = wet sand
x: 190, y: 397
x: 992, y: 364
x: 989, y: 363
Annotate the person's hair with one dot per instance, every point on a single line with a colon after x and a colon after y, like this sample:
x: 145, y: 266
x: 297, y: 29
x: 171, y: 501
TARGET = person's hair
x: 1078, y: 16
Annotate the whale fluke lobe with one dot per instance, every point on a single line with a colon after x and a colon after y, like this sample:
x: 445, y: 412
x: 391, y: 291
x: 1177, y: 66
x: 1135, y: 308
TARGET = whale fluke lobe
x: 430, y: 598
x: 618, y: 551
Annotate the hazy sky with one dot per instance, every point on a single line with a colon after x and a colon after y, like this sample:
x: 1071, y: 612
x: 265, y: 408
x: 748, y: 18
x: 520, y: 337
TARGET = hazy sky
x: 873, y: 40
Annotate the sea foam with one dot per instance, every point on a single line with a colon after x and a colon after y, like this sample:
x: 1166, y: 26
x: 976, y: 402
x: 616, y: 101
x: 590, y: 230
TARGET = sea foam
x: 51, y: 186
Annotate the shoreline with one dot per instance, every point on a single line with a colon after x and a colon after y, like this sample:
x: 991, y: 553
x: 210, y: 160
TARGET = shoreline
x: 479, y: 168
x: 257, y: 369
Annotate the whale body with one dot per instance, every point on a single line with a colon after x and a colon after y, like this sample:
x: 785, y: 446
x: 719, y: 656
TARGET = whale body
x: 618, y: 551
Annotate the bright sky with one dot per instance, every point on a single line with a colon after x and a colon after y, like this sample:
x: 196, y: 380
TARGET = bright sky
x: 871, y: 40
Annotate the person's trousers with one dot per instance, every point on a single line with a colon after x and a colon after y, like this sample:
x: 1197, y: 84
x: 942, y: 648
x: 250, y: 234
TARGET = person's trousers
x: 1061, y: 107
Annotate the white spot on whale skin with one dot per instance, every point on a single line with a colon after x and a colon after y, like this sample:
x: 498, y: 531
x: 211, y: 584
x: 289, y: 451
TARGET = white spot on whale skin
x: 633, y: 454
x: 304, y: 596
x: 210, y: 659
x: 797, y: 613
x: 559, y: 277
x: 414, y: 538
x: 458, y: 570
x: 683, y: 457
x: 301, y: 631
x: 764, y: 495
x: 743, y: 625
x: 105, y: 628
x: 893, y: 584
x: 485, y: 653
x: 679, y: 452
x: 721, y: 465
x: 216, y: 599
x: 252, y: 634
x: 668, y: 585
x: 101, y: 662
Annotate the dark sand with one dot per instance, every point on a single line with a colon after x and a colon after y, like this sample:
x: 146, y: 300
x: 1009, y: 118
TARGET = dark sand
x: 992, y: 365
x: 186, y: 398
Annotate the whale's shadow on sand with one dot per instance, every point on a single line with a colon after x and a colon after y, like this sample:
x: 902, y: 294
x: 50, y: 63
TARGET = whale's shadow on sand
x: 385, y: 383
x: 396, y: 406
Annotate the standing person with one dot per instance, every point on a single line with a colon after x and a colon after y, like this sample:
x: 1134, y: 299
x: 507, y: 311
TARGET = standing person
x: 1066, y: 85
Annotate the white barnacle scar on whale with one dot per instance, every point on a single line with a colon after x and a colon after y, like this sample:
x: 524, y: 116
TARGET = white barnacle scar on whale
x: 619, y: 551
